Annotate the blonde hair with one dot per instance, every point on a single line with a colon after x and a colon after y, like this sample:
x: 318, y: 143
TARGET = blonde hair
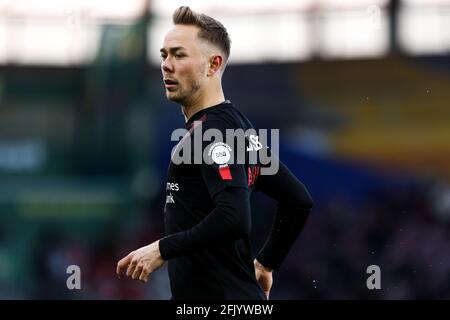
x: 211, y: 30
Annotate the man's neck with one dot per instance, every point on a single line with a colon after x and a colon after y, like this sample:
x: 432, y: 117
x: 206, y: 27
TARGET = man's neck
x: 206, y: 102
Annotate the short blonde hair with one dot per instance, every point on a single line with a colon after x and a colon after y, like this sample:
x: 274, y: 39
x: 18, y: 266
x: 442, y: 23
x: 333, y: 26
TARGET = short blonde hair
x: 211, y: 30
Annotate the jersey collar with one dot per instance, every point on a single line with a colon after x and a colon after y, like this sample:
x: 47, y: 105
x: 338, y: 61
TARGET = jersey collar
x: 200, y: 115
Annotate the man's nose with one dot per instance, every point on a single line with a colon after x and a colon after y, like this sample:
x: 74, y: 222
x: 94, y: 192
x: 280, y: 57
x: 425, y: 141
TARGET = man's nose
x: 166, y: 65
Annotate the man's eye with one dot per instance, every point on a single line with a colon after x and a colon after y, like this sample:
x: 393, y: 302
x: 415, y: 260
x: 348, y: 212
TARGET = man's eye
x: 163, y: 56
x: 179, y: 56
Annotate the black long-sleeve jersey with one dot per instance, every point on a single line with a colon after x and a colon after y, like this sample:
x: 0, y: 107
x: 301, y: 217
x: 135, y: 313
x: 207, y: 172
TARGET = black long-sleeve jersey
x: 207, y: 212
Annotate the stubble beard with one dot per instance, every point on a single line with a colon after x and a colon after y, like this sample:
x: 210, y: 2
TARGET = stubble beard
x: 184, y: 96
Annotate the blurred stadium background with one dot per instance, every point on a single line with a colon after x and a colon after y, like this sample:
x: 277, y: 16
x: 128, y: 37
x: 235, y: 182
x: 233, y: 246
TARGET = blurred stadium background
x: 360, y: 90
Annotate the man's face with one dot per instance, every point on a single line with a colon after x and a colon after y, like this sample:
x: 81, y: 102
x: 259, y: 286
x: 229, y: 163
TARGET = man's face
x: 184, y: 64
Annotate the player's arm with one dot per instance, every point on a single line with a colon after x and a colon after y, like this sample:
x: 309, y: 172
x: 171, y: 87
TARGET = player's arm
x: 229, y: 220
x: 294, y: 206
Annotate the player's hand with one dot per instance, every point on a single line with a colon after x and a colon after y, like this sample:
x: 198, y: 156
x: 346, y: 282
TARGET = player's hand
x: 264, y: 277
x: 140, y: 263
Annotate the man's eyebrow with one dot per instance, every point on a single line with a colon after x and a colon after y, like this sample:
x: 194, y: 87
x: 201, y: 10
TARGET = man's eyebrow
x: 172, y: 50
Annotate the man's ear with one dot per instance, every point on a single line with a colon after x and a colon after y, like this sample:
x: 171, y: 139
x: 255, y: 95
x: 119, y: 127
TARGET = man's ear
x: 215, y: 63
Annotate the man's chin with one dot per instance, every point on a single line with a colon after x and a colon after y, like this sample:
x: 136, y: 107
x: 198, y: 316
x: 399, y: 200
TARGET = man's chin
x: 172, y: 96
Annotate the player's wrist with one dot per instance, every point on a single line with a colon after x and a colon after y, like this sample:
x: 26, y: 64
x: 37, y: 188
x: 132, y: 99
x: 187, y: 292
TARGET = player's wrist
x: 158, y: 249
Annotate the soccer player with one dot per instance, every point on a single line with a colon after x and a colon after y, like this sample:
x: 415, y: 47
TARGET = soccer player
x: 207, y: 212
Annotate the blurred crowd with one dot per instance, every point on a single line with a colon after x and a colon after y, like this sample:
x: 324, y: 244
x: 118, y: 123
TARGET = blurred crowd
x: 398, y: 230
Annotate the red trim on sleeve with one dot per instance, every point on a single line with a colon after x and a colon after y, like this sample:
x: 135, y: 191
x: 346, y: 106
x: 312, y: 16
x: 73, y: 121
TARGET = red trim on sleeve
x: 225, y: 173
